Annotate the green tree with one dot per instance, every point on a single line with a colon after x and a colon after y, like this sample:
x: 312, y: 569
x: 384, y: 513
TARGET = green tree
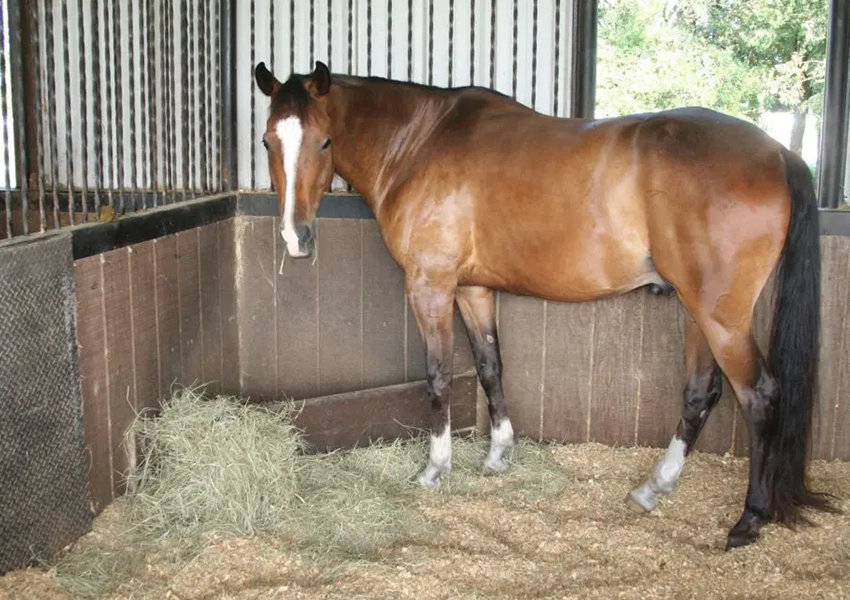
x: 648, y: 61
x: 784, y: 41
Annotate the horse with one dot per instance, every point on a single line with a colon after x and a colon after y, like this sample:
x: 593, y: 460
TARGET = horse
x: 474, y: 192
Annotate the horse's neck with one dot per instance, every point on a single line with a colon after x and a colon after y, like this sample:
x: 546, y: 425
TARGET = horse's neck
x: 377, y: 132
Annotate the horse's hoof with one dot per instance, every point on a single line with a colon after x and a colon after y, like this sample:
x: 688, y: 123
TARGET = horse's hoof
x: 429, y: 480
x: 499, y: 465
x: 635, y: 506
x: 744, y: 537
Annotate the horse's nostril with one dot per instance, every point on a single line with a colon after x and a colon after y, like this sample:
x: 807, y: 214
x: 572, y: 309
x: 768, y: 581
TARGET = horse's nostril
x: 304, y: 232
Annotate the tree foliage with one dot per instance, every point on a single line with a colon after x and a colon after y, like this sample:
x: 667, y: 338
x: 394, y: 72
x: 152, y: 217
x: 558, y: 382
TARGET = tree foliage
x: 742, y: 57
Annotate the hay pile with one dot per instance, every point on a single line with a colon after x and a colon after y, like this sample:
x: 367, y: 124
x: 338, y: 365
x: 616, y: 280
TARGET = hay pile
x: 213, y: 468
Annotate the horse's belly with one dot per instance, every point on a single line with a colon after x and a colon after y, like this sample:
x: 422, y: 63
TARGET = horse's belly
x: 564, y: 275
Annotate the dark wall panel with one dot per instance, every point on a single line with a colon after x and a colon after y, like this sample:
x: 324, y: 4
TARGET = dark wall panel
x: 44, y: 503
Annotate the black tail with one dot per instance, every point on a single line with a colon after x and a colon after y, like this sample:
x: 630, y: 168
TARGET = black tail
x: 794, y: 346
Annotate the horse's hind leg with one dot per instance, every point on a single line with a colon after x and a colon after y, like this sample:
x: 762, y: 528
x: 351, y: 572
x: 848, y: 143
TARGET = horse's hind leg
x: 478, y: 308
x: 432, y: 299
x: 728, y: 330
x: 702, y: 392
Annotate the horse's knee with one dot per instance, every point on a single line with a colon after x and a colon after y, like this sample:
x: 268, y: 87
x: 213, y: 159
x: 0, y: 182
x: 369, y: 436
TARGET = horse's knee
x: 702, y: 393
x: 489, y: 371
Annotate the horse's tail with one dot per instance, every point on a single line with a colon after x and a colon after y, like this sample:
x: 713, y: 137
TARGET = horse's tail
x: 794, y: 345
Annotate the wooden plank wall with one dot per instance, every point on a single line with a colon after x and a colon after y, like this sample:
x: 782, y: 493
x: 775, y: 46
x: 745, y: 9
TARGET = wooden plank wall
x: 149, y: 316
x: 209, y: 305
x: 338, y: 324
x: 612, y: 371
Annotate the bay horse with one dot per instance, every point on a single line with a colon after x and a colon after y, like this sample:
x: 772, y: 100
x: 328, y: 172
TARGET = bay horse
x: 475, y: 192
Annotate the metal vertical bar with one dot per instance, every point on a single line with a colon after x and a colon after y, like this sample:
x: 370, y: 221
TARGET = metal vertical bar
x: 69, y: 148
x: 253, y: 144
x: 515, y: 49
x: 472, y: 43
x: 133, y: 18
x: 109, y: 35
x: 51, y: 111
x: 330, y: 33
x: 556, y: 90
x: 292, y: 36
x: 172, y: 112
x: 117, y: 74
x: 35, y: 65
x: 203, y: 96
x: 583, y: 74
x: 389, y: 39
x: 534, y: 55
x: 410, y: 40
x: 271, y: 35
x: 350, y: 35
x: 185, y: 124
x: 153, y: 91
x: 493, y: 44
x: 312, y: 34
x: 218, y: 67
x: 833, y: 147
x: 430, y: 42
x: 145, y: 83
x: 451, y: 41
x: 6, y: 113
x: 192, y: 82
x: 97, y: 99
x: 24, y: 50
x: 227, y: 59
x: 368, y: 37
x: 84, y: 112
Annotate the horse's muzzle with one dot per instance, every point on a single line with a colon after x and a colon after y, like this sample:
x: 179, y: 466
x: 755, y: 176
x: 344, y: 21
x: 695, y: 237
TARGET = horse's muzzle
x: 306, y: 241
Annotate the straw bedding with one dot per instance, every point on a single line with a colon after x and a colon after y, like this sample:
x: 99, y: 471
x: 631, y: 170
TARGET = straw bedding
x: 226, y: 504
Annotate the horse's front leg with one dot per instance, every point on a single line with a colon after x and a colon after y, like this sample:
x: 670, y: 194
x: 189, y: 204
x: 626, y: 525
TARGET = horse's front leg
x: 432, y: 301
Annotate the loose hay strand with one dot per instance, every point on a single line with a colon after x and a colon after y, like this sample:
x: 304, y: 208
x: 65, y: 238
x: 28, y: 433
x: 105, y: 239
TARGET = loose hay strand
x: 212, y: 467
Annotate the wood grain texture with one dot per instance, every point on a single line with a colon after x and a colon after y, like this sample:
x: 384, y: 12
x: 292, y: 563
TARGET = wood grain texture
x: 835, y: 288
x: 146, y: 382
x: 189, y: 271
x: 119, y: 359
x: 340, y: 306
x: 256, y: 282
x: 568, y: 371
x: 836, y: 350
x: 228, y: 277
x: 617, y: 357
x: 91, y: 343
x: 662, y: 370
x: 297, y: 325
x: 383, y: 345
x: 210, y: 307
x: 521, y: 335
x: 168, y: 312
x: 350, y: 419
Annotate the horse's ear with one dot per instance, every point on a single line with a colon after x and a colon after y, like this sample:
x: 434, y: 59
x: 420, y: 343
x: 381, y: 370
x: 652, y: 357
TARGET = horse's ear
x: 321, y: 78
x: 267, y: 82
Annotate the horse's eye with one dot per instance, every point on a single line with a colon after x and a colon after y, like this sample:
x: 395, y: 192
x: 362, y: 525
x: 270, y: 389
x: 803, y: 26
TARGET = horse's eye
x: 327, y: 144
x: 265, y: 144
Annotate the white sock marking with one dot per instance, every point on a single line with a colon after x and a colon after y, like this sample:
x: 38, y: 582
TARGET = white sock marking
x: 290, y: 132
x: 501, y: 440
x: 439, y: 459
x: 665, y: 476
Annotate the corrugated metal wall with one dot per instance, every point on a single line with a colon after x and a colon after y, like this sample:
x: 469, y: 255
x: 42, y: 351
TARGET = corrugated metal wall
x: 519, y: 47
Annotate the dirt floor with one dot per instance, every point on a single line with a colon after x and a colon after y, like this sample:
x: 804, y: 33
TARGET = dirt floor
x: 582, y: 544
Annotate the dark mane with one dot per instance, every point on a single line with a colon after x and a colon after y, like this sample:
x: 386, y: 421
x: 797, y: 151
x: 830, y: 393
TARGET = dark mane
x: 343, y: 79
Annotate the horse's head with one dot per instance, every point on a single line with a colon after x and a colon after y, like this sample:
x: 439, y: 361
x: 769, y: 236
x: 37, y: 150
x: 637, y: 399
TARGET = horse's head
x: 297, y: 139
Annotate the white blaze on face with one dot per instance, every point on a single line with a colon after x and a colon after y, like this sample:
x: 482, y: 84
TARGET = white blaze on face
x: 290, y: 132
